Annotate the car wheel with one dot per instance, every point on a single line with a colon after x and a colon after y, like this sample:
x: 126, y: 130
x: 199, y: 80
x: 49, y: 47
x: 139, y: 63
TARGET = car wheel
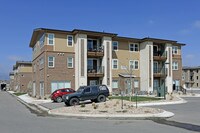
x: 73, y: 101
x: 101, y: 98
x: 66, y: 103
x: 59, y: 99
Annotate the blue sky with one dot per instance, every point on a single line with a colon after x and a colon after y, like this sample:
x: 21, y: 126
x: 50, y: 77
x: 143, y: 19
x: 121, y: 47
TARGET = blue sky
x: 170, y: 19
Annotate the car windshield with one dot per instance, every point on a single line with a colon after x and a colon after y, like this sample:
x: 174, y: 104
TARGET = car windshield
x: 80, y: 90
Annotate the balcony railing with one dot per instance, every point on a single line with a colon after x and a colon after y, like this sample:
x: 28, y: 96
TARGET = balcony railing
x: 160, y: 72
x: 159, y: 55
x: 95, y: 71
x: 95, y: 52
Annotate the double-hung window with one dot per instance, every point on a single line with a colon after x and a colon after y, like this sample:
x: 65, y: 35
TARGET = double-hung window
x: 51, y: 39
x: 174, y: 50
x: 69, y: 40
x: 133, y: 47
x: 70, y: 62
x: 115, y: 64
x: 115, y: 45
x: 51, y: 61
x: 175, y: 65
x: 133, y: 65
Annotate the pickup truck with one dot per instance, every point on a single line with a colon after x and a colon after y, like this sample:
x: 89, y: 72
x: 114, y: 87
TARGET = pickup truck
x: 97, y: 93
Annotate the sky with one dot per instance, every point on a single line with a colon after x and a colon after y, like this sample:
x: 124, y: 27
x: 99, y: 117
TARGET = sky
x: 170, y: 19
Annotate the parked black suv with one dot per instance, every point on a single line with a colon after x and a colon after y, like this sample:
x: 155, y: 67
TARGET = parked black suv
x: 97, y: 93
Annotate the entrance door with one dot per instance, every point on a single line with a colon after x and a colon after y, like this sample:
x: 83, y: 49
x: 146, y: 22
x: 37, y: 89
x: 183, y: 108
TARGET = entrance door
x: 41, y: 89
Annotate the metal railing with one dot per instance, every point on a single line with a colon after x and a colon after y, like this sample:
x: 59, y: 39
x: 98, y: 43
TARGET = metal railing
x: 95, y: 69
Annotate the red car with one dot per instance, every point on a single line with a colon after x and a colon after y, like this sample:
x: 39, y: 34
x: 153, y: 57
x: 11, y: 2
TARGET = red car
x: 56, y: 96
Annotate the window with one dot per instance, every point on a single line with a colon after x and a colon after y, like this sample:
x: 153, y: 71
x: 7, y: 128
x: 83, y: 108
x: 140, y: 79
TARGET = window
x: 60, y: 85
x: 87, y: 90
x: 174, y: 50
x: 175, y: 65
x: 115, y: 84
x: 51, y: 61
x: 133, y: 64
x: 197, y: 85
x: 42, y: 41
x: 197, y: 77
x: 136, y: 83
x: 115, y: 45
x: 183, y: 76
x: 70, y: 40
x: 51, y: 39
x: 133, y: 47
x: 70, y: 62
x: 114, y: 64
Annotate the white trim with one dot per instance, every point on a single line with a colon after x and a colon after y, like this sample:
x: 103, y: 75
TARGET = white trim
x: 71, y: 62
x: 49, y: 39
x: 68, y: 41
x: 51, y: 61
x: 117, y: 45
x: 113, y: 63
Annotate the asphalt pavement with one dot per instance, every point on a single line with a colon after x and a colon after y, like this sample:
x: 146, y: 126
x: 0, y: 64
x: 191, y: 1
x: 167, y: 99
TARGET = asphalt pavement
x: 17, y: 118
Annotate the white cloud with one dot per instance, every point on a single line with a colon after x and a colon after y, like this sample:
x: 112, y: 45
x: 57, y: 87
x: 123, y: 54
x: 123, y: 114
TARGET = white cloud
x: 197, y: 24
x: 14, y: 58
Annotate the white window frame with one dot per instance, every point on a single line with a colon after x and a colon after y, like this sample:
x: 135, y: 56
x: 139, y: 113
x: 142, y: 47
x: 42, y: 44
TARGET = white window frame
x: 70, y: 62
x: 50, y: 39
x: 115, y: 82
x: 68, y: 41
x: 174, y: 65
x: 133, y: 64
x: 116, y: 45
x: 113, y: 60
x: 175, y: 50
x: 134, y: 48
x: 51, y: 61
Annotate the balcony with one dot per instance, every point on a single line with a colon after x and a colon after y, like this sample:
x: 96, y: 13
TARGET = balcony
x: 160, y: 73
x: 95, y: 71
x: 160, y: 56
x: 95, y: 52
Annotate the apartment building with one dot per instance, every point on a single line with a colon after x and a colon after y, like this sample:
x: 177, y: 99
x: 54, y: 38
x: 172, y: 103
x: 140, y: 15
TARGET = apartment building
x: 79, y: 57
x: 11, y: 76
x: 190, y: 77
x: 22, y: 77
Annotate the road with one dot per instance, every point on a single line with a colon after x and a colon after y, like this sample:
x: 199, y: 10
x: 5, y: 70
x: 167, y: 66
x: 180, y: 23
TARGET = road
x: 16, y: 118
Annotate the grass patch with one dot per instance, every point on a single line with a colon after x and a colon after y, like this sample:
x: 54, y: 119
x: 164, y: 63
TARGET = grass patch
x: 133, y: 98
x: 18, y: 93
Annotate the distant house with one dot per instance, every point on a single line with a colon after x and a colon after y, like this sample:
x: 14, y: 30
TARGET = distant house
x: 191, y: 77
x: 21, y: 76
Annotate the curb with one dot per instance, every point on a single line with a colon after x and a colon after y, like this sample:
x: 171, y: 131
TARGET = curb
x: 164, y: 114
x: 40, y: 109
x: 181, y: 101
